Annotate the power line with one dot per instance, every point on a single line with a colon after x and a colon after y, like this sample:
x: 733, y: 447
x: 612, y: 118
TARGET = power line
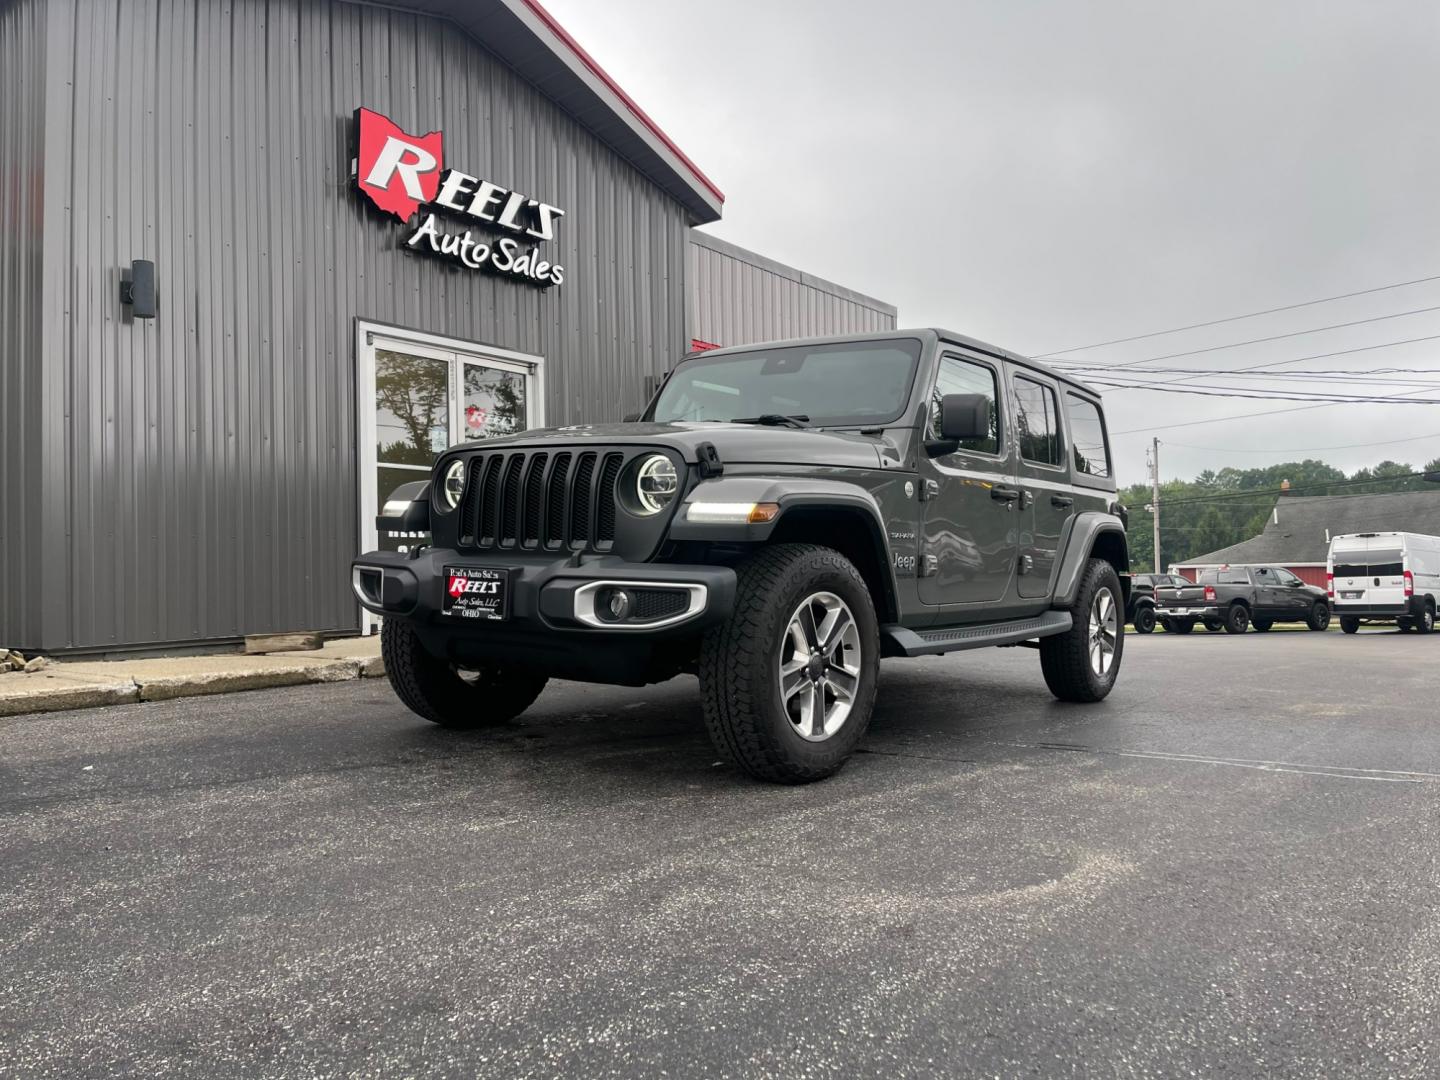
x: 1302, y: 449
x: 1245, y: 393
x: 1272, y: 337
x: 1237, y: 318
x: 1223, y: 419
x: 1078, y: 366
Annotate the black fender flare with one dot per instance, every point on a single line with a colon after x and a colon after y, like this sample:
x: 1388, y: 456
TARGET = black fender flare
x: 1086, y: 531
x: 795, y: 496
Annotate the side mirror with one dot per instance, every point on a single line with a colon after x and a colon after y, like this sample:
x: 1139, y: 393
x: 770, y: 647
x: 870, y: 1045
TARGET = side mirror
x: 633, y: 418
x: 406, y: 510
x: 964, y: 416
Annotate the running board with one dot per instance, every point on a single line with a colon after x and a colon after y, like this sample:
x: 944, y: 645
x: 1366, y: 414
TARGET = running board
x: 901, y: 641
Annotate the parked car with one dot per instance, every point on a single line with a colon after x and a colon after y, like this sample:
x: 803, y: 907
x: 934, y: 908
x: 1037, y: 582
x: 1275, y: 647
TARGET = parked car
x: 1236, y: 598
x: 1140, y: 613
x: 1385, y: 577
x: 780, y: 518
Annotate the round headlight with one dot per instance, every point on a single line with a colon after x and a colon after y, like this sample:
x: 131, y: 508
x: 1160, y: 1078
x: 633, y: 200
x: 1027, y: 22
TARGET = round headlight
x: 655, y: 484
x: 454, y: 484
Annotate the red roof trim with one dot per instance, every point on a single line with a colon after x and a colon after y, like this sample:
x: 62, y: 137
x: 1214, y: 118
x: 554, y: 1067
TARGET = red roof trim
x: 601, y: 74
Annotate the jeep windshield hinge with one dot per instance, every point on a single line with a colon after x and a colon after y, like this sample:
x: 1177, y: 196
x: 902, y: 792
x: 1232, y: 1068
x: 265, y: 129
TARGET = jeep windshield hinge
x: 708, y: 458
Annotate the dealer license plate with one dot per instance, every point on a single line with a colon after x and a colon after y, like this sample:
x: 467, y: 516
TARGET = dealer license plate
x: 1351, y: 595
x: 476, y: 592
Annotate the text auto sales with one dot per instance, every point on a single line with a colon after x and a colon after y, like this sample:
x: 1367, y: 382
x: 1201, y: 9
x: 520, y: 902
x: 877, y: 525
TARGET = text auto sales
x: 495, y: 205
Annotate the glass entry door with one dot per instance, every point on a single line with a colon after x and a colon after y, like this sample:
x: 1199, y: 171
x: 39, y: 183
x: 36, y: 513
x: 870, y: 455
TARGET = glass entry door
x: 418, y: 396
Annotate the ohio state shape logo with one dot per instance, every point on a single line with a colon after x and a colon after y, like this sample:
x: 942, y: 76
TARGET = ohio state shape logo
x: 397, y: 171
x: 402, y: 173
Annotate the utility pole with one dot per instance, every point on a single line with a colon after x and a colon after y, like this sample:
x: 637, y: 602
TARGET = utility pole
x: 1155, y: 499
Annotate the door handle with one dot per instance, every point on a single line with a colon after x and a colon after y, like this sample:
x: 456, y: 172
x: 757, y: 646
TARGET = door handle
x: 1062, y: 501
x: 1004, y: 494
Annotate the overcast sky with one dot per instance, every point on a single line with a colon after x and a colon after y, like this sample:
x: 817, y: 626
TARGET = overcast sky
x: 1050, y: 174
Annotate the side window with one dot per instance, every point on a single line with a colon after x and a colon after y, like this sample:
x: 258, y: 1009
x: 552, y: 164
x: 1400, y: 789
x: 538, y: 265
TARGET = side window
x: 1087, y: 432
x: 959, y: 376
x: 1286, y: 577
x: 1037, y: 422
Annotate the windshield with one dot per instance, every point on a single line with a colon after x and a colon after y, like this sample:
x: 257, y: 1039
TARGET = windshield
x: 847, y: 384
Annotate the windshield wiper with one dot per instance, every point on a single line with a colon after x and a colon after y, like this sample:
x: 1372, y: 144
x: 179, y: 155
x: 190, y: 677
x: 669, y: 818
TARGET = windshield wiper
x: 770, y: 419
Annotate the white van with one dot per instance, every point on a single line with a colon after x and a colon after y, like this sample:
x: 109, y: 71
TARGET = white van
x: 1384, y: 577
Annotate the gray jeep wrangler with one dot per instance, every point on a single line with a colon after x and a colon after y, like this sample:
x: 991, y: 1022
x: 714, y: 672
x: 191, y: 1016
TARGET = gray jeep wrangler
x: 779, y: 519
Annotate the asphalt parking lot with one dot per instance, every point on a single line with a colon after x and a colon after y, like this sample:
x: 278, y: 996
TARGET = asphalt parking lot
x: 1229, y: 868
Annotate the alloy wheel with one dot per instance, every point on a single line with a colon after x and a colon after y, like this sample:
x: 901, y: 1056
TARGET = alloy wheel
x: 1104, y: 628
x: 820, y: 663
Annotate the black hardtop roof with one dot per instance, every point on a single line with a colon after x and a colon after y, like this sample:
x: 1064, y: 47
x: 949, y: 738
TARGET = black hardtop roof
x: 928, y: 334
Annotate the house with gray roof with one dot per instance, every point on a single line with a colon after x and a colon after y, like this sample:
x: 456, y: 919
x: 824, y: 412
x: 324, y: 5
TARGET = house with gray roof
x: 1297, y: 536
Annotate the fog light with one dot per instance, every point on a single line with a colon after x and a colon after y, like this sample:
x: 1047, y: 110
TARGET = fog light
x: 618, y: 604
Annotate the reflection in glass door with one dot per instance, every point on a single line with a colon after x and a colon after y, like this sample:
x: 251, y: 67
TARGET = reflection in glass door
x: 412, y: 423
x: 493, y: 401
x: 420, y: 394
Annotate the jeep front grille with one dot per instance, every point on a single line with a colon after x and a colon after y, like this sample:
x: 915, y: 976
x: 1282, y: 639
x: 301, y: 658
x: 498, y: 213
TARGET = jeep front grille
x: 550, y: 500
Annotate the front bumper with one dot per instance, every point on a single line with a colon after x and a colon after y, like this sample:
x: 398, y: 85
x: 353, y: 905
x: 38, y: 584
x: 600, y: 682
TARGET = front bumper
x: 544, y: 593
x: 551, y: 625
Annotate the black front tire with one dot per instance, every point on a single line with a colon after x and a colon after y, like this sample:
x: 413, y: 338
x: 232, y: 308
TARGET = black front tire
x: 435, y: 689
x: 1179, y: 626
x: 1145, y: 620
x: 1067, y: 659
x: 1261, y: 625
x: 1214, y: 625
x: 1237, y: 619
x: 1349, y: 624
x: 740, y: 663
x: 1319, y: 617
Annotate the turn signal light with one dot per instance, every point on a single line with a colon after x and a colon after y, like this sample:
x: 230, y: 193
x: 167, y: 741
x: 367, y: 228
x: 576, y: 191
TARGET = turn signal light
x: 1330, y: 586
x: 1209, y: 592
x: 764, y: 512
x: 1409, y: 583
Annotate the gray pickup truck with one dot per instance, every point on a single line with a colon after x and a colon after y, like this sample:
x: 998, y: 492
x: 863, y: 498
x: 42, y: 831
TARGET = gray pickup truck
x: 780, y: 518
x: 1236, y: 598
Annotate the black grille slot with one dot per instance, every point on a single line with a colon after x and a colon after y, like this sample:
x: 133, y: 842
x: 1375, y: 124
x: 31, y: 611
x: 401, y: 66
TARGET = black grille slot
x: 534, y: 499
x: 510, y: 502
x: 540, y: 499
x: 490, y: 501
x: 580, y: 500
x: 470, y: 510
x: 555, y: 535
x: 605, y: 501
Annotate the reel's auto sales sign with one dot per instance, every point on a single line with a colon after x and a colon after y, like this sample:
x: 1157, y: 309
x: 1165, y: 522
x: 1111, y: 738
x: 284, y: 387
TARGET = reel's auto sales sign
x: 403, y: 174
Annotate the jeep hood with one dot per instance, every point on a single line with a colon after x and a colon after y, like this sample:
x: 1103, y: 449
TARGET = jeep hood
x: 738, y: 444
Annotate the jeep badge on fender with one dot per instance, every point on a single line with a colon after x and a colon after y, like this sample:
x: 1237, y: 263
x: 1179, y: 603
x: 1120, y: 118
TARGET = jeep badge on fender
x: 779, y: 519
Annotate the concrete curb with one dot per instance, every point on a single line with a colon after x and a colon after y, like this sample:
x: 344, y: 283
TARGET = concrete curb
x: 83, y: 685
x: 56, y: 691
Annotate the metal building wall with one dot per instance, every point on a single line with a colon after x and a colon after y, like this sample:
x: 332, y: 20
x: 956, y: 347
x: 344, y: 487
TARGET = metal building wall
x: 737, y: 297
x: 22, y: 111
x: 211, y: 483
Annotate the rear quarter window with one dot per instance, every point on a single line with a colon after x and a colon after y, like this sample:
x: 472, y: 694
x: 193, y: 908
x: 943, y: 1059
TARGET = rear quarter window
x: 1089, y: 445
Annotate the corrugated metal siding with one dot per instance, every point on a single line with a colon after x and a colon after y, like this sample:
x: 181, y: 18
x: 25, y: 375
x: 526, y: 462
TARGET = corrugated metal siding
x: 22, y: 145
x: 213, y: 479
x: 737, y: 297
